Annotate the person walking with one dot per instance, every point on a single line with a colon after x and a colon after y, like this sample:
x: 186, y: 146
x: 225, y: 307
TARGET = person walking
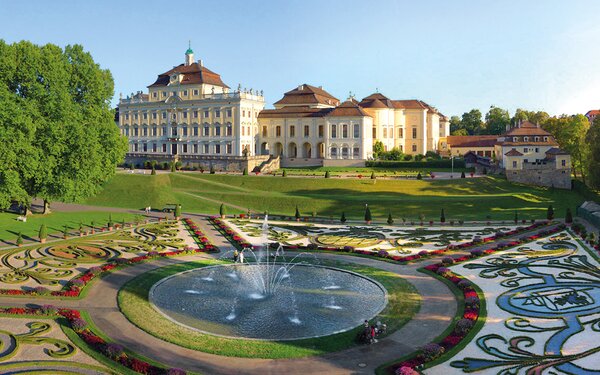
x: 241, y: 256
x: 235, y: 256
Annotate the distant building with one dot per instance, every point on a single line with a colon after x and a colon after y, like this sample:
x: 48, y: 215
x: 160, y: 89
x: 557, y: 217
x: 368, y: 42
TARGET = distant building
x: 459, y: 145
x: 309, y: 126
x: 190, y: 115
x: 591, y: 115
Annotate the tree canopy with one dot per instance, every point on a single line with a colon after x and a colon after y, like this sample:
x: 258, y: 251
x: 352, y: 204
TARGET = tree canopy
x: 57, y: 128
x: 593, y: 141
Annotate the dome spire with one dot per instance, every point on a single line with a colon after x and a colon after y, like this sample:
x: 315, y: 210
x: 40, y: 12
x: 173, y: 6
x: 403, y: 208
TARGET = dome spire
x: 189, y: 54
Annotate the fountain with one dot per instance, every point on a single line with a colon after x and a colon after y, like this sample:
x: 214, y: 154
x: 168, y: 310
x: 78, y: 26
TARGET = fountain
x: 269, y: 297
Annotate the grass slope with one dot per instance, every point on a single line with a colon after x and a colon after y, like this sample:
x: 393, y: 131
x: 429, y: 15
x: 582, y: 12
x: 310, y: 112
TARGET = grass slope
x: 461, y: 198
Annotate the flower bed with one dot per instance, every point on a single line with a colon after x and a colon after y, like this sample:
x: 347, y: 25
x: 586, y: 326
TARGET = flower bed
x: 202, y: 241
x: 81, y: 327
x: 240, y: 243
x: 74, y: 287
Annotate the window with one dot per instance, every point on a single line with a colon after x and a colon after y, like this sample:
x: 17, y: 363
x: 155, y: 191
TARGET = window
x: 320, y: 131
x: 164, y: 93
x: 229, y: 149
x: 164, y: 148
x: 205, y: 114
x: 525, y: 149
x: 356, y: 129
x: 145, y: 147
x: 515, y: 139
x: 345, y: 152
x: 195, y: 92
x: 537, y: 139
x: 145, y: 116
x: 135, y: 116
x: 400, y: 133
x: 135, y: 147
x: 154, y: 94
x: 334, y: 152
x: 184, y: 114
x: 306, y: 131
x: 206, y: 148
x: 185, y: 131
x: 184, y: 149
x: 414, y: 133
x: 184, y: 92
x: 217, y: 131
x: 154, y: 147
x: 545, y: 139
x: 537, y: 149
x: 264, y: 131
x: 243, y: 130
x: 514, y: 163
x: 385, y: 133
x: 563, y: 163
x: 164, y: 115
x: 344, y: 131
x: 195, y: 131
x: 154, y: 116
x: 414, y: 148
x: 218, y: 113
x: 278, y: 131
x: 206, y: 131
x: 135, y: 132
x: 195, y: 149
x: 292, y: 131
x: 526, y: 161
x: 244, y: 113
x: 217, y: 149
x: 174, y: 116
x: 355, y: 153
x: 173, y: 93
x: 164, y: 131
x: 126, y: 116
x: 145, y: 131
x: 195, y: 114
x: 526, y: 139
x: 174, y: 131
x: 333, y: 131
x: 230, y: 130
x: 229, y: 113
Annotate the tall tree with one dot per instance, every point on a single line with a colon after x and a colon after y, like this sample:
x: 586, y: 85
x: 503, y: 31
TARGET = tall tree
x: 497, y: 120
x: 593, y: 141
x: 455, y: 125
x: 471, y: 121
x: 55, y: 114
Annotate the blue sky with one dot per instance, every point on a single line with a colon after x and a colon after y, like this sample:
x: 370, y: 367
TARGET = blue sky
x: 456, y: 55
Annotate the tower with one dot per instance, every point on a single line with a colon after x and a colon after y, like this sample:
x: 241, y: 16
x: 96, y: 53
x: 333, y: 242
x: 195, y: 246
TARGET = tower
x: 189, y: 55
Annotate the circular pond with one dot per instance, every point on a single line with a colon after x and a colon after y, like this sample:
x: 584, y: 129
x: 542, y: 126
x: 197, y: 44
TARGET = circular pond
x: 301, y: 302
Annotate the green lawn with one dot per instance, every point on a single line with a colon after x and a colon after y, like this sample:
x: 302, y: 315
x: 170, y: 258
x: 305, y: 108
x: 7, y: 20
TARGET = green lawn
x: 366, y: 171
x: 461, y: 198
x: 55, y: 221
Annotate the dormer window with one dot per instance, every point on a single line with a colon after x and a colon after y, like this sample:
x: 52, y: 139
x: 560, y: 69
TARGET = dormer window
x: 515, y: 139
x: 537, y: 139
x: 174, y: 78
x: 545, y: 139
x: 526, y: 139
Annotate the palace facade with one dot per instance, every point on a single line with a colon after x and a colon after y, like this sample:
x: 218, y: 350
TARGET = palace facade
x: 190, y: 115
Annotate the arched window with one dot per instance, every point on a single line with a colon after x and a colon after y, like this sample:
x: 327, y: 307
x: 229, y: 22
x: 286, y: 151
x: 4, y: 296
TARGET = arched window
x: 229, y: 130
x: 334, y: 152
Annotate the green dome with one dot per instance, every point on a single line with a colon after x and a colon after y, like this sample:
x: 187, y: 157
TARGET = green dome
x: 189, y: 51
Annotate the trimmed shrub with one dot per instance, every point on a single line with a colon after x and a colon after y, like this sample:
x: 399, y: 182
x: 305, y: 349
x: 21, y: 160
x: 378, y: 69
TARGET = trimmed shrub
x: 442, y: 217
x: 297, y: 214
x: 49, y: 309
x: 432, y: 351
x: 327, y: 175
x: 114, y: 351
x: 222, y: 210
x: 284, y: 174
x: 368, y: 216
x: 463, y: 326
x: 349, y: 249
x: 568, y: 216
x: 43, y: 233
x: 550, y: 213
x: 462, y: 174
x: 373, y: 177
x: 212, y: 170
x: 20, y: 239
x: 419, y: 176
x: 343, y: 218
x: 464, y: 284
x: 78, y: 324
x: 245, y: 172
x: 446, y: 261
x: 390, y: 219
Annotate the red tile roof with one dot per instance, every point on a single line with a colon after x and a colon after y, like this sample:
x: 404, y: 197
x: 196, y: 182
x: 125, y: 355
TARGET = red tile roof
x: 376, y: 100
x: 471, y: 140
x: 593, y: 112
x: 192, y: 74
x: 513, y: 152
x: 309, y: 95
x: 526, y: 128
x: 348, y: 109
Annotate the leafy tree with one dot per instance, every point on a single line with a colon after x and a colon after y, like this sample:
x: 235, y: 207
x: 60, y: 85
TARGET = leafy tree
x: 297, y: 214
x: 368, y: 216
x: 343, y: 218
x: 19, y: 239
x: 550, y: 213
x: 222, y: 210
x: 442, y: 217
x: 390, y: 219
x: 378, y: 149
x: 59, y: 140
x: 497, y: 120
x: 593, y: 141
x: 570, y: 133
x: 43, y: 233
x: 521, y: 115
x: 471, y: 122
x: 456, y: 126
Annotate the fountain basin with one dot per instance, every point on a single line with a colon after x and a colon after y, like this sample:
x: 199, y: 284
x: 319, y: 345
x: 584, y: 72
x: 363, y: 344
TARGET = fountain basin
x: 313, y: 301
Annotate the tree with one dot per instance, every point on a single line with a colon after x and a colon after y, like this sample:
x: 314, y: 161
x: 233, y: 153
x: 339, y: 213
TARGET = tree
x: 19, y: 239
x: 419, y: 176
x: 373, y: 176
x: 593, y: 141
x: 568, y: 216
x: 284, y: 174
x: 550, y: 213
x: 43, y: 233
x: 177, y: 211
x: 110, y: 223
x: 327, y: 174
x: 390, y: 219
x: 442, y: 217
x: 497, y: 120
x: 462, y: 174
x: 378, y: 149
x: 343, y: 218
x: 173, y: 166
x: 368, y: 217
x: 212, y: 170
x: 59, y: 140
x: 297, y: 214
x: 153, y: 170
x: 222, y: 211
x: 245, y: 172
x: 570, y: 133
x: 456, y: 125
x: 471, y: 122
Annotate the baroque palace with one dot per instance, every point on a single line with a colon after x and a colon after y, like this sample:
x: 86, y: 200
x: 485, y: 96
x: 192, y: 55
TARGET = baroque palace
x: 190, y: 115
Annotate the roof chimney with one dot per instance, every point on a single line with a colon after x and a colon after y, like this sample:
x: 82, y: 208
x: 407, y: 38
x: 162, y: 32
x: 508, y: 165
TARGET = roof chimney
x: 200, y: 62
